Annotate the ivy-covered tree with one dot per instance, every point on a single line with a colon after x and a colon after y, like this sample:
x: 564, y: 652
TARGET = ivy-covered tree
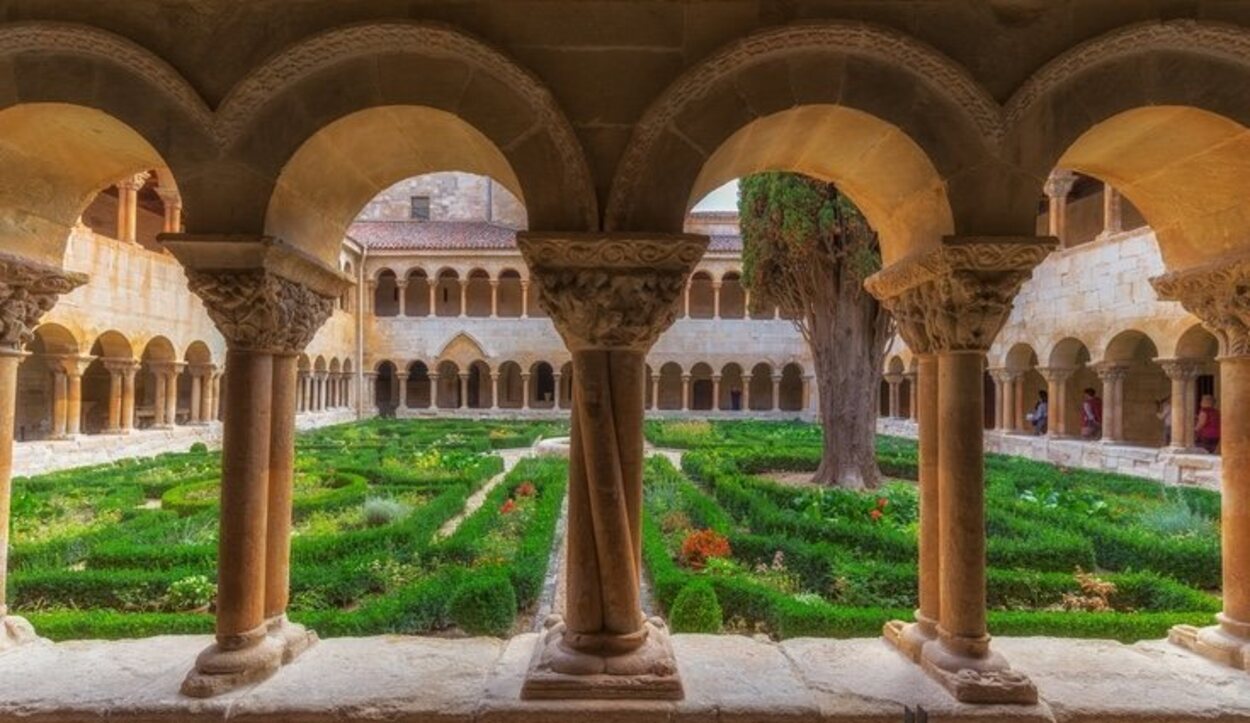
x: 807, y: 250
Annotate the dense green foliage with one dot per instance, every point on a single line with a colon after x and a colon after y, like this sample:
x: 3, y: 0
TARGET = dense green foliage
x: 696, y: 610
x: 484, y: 605
x: 816, y: 561
x: 130, y: 549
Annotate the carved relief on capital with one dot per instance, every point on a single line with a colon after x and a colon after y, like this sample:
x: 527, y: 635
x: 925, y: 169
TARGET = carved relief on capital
x: 611, y: 291
x: 1059, y: 184
x: 1056, y: 375
x: 28, y: 290
x: 258, y: 310
x: 1181, y: 369
x: 1219, y: 295
x: 957, y: 297
x: 1111, y: 372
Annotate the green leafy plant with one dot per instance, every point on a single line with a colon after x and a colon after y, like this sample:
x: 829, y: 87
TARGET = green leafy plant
x: 696, y: 609
x: 379, y: 511
x: 484, y: 605
x: 195, y: 592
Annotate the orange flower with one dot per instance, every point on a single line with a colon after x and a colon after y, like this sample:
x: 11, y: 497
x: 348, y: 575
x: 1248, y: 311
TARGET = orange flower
x: 875, y: 515
x: 882, y: 502
x: 526, y: 489
x: 508, y: 507
x: 699, y: 546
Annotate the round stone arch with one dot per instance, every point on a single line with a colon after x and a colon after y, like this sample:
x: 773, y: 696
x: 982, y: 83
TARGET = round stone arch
x: 83, y: 108
x: 336, y: 118
x: 1145, y: 109
x: 848, y: 115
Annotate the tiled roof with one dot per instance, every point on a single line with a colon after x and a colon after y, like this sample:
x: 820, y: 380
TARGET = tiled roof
x: 452, y: 235
x: 432, y: 235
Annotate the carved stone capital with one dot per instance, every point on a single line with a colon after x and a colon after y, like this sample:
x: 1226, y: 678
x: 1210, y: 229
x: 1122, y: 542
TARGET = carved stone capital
x: 28, y: 290
x: 262, y: 294
x: 610, y: 291
x: 1056, y: 375
x: 1110, y: 371
x: 1218, y: 293
x: 957, y: 296
x: 134, y: 182
x: 1059, y: 184
x: 1181, y: 369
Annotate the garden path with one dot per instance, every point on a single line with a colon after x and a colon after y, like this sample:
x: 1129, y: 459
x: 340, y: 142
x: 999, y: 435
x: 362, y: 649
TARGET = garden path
x: 477, y: 499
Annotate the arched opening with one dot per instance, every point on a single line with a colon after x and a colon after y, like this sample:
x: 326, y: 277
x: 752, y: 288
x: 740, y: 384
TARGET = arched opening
x: 671, y: 387
x: 417, y: 294
x: 761, y: 388
x: 1028, y: 384
x: 480, y: 395
x: 543, y: 386
x: 511, y: 388
x: 701, y: 387
x: 1071, y: 357
x: 701, y: 301
x: 43, y: 386
x: 732, y: 296
x: 447, y: 294
x: 155, y: 384
x: 104, y: 385
x: 478, y: 294
x: 509, y: 294
x: 418, y: 392
x: 730, y: 388
x: 386, y: 294
x: 194, y: 384
x: 449, y: 387
x: 1142, y: 387
x: 790, y: 394
x: 386, y: 389
x: 1197, y: 376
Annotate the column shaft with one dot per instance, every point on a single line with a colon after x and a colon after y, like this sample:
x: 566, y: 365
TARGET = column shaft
x: 128, y: 398
x: 60, y: 394
x: 115, y: 401
x: 9, y: 361
x: 277, y: 584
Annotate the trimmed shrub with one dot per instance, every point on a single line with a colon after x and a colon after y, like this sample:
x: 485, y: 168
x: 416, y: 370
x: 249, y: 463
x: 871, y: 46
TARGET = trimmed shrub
x: 484, y: 605
x: 696, y: 609
x: 379, y: 511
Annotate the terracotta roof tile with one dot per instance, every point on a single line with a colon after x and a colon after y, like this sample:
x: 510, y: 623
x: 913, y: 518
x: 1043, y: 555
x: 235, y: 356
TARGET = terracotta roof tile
x: 432, y: 235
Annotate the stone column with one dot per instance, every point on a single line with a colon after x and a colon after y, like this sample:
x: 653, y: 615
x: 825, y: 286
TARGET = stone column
x: 913, y: 395
x: 433, y: 286
x: 746, y: 393
x: 655, y: 390
x: 1007, y: 401
x: 525, y: 390
x: 130, y: 370
x: 1112, y: 375
x: 610, y: 296
x: 716, y: 300
x: 75, y: 367
x: 494, y: 391
x: 463, y: 401
x: 895, y: 382
x: 1022, y: 405
x: 1219, y: 295
x: 685, y: 314
x: 687, y: 393
x: 401, y: 385
x: 27, y: 291
x: 128, y: 206
x: 494, y: 298
x: 173, y: 209
x: 60, y: 399
x: 433, y: 390
x: 715, y: 392
x: 1057, y: 400
x: 171, y: 394
x: 1057, y: 188
x: 1112, y: 211
x: 114, y: 425
x: 525, y: 298
x: 746, y: 303
x: 400, y: 286
x: 464, y: 298
x: 267, y: 319
x: 952, y: 301
x: 555, y: 396
x: 776, y: 392
x: 197, y: 396
x: 217, y: 396
x: 1182, y: 373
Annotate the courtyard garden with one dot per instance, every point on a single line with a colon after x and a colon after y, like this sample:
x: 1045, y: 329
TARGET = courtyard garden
x: 735, y: 539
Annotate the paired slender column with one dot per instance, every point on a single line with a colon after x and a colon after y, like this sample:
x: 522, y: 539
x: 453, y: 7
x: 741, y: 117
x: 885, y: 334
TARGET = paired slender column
x: 913, y: 395
x: 895, y: 383
x: 464, y: 298
x: 494, y: 298
x: 114, y: 424
x: 1112, y: 375
x: 655, y: 391
x: 949, y: 304
x: 716, y: 299
x: 173, y: 209
x: 715, y: 392
x: 462, y: 402
x: 1183, y: 373
x: 433, y: 390
x: 1057, y: 188
x: 401, y: 384
x: 746, y: 394
x: 1056, y: 400
x: 687, y: 393
x: 197, y: 396
x: 60, y: 394
x: 401, y: 286
x: 525, y: 298
x: 1219, y: 295
x: 27, y: 291
x: 525, y: 390
x: 267, y: 319
x: 776, y: 392
x: 74, y: 369
x: 494, y: 390
x: 128, y: 206
x: 610, y: 297
x: 171, y: 395
x: 433, y: 284
x: 1112, y: 211
x: 129, y: 372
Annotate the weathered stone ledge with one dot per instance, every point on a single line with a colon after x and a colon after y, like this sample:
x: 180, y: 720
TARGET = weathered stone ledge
x: 727, y: 678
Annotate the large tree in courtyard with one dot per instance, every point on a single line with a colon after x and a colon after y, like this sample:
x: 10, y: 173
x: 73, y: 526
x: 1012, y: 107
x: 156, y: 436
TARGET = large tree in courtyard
x: 807, y: 249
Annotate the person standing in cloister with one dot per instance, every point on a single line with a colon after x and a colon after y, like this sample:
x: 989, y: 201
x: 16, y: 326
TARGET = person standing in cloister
x: 1163, y: 413
x: 1207, y: 428
x: 1040, y: 414
x: 1091, y: 414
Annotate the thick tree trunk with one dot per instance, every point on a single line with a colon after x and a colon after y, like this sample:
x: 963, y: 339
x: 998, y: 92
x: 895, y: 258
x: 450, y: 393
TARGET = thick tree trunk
x: 847, y: 339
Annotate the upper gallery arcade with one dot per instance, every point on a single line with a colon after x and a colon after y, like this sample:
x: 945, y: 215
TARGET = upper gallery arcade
x: 943, y: 121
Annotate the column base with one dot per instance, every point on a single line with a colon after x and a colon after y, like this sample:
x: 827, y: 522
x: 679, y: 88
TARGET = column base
x: 1227, y: 643
x: 15, y: 631
x: 225, y: 666
x: 986, y: 679
x: 558, y: 672
x: 293, y: 637
x: 1184, y: 450
x: 910, y: 638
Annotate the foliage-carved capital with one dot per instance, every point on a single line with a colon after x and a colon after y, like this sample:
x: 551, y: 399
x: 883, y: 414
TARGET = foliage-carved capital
x: 1218, y: 293
x: 257, y: 310
x: 957, y: 296
x: 28, y: 290
x: 611, y: 291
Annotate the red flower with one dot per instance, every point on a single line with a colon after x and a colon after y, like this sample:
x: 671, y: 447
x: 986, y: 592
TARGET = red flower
x: 882, y: 502
x: 526, y: 489
x: 875, y: 515
x: 508, y: 507
x: 699, y: 546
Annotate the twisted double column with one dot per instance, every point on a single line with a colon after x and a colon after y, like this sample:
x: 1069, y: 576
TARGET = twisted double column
x: 610, y: 296
x: 1219, y: 294
x: 28, y: 290
x: 267, y: 300
x: 949, y: 304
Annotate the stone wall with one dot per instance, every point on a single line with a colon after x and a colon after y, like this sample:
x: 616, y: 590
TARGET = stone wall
x: 452, y: 197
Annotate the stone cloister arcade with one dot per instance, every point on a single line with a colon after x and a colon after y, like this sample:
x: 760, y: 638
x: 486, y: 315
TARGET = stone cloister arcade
x: 946, y: 148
